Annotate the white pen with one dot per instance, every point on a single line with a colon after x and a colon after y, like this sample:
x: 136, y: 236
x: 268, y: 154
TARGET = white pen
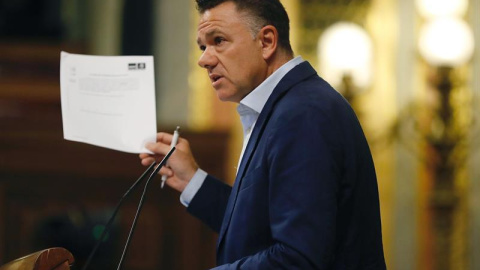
x: 172, y: 144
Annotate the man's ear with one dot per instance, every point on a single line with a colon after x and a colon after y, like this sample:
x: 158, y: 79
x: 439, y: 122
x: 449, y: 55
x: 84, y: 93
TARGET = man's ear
x: 268, y: 36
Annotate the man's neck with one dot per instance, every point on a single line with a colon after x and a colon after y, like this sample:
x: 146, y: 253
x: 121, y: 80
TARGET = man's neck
x: 278, y: 60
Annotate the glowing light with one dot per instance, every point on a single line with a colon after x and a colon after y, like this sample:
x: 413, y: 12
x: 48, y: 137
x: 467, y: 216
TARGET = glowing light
x: 446, y: 41
x: 345, y: 49
x: 440, y: 8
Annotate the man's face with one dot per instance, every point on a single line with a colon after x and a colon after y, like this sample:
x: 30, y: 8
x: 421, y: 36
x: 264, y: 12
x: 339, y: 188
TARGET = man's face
x: 231, y: 54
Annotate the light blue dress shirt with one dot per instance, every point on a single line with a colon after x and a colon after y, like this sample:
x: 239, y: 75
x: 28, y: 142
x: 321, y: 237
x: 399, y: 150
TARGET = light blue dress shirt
x: 249, y: 109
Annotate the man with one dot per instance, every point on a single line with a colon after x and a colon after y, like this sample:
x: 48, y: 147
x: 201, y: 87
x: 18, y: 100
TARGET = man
x: 305, y: 195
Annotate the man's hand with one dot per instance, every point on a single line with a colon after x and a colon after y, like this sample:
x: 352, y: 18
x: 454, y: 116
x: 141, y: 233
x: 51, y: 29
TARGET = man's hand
x: 181, y: 165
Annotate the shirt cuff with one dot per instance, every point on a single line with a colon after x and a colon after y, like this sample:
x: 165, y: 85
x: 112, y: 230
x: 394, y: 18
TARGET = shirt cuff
x: 193, y: 186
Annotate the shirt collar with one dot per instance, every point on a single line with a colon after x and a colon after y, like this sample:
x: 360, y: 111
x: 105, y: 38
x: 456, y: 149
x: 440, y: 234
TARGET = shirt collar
x: 257, y: 99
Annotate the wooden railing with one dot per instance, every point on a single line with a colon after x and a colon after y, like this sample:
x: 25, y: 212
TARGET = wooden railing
x: 48, y: 259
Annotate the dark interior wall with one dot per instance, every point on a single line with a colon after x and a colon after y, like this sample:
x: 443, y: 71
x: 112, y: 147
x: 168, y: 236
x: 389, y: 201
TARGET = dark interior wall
x: 56, y: 192
x: 137, y: 34
x: 31, y: 18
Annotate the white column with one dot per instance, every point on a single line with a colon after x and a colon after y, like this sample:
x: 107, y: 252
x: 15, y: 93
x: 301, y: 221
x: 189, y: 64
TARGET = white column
x: 171, y: 50
x: 104, y: 26
x: 405, y: 244
x: 473, y: 165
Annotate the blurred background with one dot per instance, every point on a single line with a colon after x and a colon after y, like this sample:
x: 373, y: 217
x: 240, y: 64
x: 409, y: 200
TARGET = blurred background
x: 410, y: 69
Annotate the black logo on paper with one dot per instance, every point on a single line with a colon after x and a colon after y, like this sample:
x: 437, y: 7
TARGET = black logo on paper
x: 136, y: 66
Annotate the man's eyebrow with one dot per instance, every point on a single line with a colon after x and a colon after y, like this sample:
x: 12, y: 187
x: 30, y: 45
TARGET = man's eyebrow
x: 209, y: 34
x: 212, y: 32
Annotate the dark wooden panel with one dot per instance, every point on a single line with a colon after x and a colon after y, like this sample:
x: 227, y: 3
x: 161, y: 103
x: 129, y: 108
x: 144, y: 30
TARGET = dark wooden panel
x: 56, y: 190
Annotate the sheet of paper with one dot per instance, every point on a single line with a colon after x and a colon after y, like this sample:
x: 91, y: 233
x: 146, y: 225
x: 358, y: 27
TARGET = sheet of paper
x: 108, y: 101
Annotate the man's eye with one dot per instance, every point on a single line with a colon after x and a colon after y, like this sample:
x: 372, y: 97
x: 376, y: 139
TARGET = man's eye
x: 219, y: 40
x: 202, y: 48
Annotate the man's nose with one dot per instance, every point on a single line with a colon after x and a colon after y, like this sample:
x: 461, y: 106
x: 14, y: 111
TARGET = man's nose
x: 207, y: 59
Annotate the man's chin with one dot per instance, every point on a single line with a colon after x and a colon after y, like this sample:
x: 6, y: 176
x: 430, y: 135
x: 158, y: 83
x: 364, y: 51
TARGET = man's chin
x: 225, y: 96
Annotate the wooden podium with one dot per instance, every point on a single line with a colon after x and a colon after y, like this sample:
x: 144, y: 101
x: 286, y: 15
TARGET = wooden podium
x: 48, y: 259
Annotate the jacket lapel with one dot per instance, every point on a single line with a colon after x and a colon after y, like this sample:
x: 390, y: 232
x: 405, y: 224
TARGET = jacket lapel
x: 296, y: 75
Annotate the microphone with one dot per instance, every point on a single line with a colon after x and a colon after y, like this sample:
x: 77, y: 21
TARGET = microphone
x: 112, y: 218
x: 140, y: 204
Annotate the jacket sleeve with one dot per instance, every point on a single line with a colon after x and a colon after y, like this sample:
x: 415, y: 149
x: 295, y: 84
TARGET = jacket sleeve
x: 210, y: 202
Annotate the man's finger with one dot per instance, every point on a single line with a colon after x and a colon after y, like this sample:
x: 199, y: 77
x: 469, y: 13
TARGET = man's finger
x: 147, y: 161
x: 144, y: 155
x: 164, y: 137
x: 166, y: 171
x: 158, y: 148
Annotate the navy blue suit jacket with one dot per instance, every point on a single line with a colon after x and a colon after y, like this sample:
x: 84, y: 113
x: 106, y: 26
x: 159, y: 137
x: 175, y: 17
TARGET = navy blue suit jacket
x: 305, y: 196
